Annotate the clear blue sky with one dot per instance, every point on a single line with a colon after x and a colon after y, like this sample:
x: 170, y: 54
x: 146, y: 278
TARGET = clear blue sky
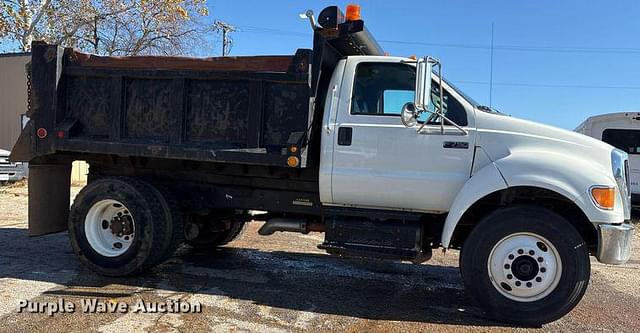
x: 556, y: 62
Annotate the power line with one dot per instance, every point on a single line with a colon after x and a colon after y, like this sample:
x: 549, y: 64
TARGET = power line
x: 522, y: 48
x: 545, y: 85
x: 254, y: 29
x: 514, y: 48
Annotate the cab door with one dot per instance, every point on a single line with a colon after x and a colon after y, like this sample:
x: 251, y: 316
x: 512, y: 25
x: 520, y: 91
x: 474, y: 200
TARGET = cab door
x: 377, y: 161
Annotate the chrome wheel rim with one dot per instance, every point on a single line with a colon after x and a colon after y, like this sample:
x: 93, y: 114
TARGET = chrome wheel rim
x: 524, y: 267
x: 109, y: 228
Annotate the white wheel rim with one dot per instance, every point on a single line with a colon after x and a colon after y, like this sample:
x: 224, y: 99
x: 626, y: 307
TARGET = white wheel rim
x: 524, y: 267
x: 109, y: 228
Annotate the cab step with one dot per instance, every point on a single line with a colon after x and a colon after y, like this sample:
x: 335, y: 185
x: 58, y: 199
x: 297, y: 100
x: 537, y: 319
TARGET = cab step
x: 390, y: 239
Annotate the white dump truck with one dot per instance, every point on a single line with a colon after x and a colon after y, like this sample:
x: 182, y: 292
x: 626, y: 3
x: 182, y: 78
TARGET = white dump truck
x: 380, y: 153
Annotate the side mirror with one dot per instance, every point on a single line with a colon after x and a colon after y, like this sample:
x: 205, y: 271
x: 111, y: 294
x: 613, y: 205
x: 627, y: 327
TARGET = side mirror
x: 409, y: 115
x: 423, y: 84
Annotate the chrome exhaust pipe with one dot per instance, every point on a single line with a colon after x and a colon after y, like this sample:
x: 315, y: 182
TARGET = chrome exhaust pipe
x: 290, y: 225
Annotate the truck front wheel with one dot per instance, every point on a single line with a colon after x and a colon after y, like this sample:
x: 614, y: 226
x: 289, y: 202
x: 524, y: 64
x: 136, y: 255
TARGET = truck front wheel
x: 525, y: 265
x: 120, y: 226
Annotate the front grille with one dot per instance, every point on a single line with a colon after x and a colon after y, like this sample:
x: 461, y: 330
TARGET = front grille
x: 626, y: 177
x: 4, y: 160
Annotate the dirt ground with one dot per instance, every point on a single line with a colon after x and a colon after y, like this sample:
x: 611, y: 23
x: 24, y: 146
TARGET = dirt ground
x: 280, y: 283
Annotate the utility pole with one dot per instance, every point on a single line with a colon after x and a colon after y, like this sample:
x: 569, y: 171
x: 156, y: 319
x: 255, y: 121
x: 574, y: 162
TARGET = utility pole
x: 491, y: 70
x: 226, y: 41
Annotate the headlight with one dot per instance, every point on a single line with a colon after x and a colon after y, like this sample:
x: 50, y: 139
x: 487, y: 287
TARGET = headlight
x: 620, y: 169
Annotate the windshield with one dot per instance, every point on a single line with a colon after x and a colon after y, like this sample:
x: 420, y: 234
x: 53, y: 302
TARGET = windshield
x: 465, y: 96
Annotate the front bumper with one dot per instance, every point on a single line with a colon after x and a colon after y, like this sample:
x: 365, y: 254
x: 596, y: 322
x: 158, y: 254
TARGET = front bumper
x: 614, y: 243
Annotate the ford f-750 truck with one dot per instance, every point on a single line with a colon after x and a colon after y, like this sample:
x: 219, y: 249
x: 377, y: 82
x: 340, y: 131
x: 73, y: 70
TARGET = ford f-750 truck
x: 380, y: 153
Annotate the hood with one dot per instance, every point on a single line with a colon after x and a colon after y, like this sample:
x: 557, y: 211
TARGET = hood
x: 500, y: 135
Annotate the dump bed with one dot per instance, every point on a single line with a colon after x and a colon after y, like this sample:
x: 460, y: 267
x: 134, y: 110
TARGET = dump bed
x: 230, y: 109
x: 263, y: 110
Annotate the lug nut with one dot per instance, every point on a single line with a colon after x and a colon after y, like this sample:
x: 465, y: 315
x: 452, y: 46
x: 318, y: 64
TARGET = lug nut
x: 542, y: 269
x: 507, y: 266
x: 511, y: 256
x: 509, y: 276
x: 520, y: 251
x: 518, y: 283
x: 538, y: 279
x: 531, y: 252
x: 540, y: 259
x: 529, y: 284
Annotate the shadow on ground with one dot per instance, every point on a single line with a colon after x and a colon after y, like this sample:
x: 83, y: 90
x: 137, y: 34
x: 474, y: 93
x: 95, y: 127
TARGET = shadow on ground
x: 298, y: 281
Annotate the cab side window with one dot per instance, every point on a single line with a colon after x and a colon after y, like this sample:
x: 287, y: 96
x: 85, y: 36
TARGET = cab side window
x: 381, y: 89
x: 452, y: 108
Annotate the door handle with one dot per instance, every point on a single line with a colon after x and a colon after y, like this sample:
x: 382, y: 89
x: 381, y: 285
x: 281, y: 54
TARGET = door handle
x: 455, y: 145
x: 345, y: 135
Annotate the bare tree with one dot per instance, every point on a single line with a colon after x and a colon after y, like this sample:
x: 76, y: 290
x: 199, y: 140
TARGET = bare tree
x: 19, y: 20
x: 112, y: 27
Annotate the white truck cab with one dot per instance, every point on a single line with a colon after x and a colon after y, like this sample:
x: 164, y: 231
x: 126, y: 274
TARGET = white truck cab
x: 370, y: 159
x: 464, y: 161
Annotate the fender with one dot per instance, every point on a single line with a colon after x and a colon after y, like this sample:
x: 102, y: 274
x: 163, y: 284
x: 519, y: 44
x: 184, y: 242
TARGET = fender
x: 484, y: 182
x: 567, y: 175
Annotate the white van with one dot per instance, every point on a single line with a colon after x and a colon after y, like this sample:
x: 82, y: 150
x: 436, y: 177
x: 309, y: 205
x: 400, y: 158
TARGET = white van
x: 621, y: 130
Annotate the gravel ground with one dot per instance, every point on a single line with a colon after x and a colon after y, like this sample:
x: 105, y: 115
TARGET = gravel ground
x: 280, y: 283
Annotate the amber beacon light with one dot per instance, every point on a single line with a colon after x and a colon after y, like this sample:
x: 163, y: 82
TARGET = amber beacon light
x: 353, y: 13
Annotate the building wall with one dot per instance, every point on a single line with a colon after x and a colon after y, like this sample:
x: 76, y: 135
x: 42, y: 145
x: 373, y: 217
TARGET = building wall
x: 13, y: 103
x: 13, y: 96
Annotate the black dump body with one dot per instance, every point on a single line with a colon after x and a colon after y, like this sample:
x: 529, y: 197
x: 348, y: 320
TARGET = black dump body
x: 247, y: 110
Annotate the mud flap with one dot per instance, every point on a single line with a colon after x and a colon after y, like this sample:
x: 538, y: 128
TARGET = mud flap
x: 49, y: 192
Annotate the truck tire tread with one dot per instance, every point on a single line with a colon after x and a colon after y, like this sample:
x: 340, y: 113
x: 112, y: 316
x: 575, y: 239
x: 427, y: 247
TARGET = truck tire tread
x: 150, y: 215
x: 571, y: 248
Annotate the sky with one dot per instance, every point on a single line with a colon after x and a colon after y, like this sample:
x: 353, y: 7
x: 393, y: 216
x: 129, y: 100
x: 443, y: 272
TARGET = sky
x: 556, y: 62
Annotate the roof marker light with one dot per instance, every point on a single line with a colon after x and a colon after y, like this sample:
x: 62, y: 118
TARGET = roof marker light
x: 353, y: 13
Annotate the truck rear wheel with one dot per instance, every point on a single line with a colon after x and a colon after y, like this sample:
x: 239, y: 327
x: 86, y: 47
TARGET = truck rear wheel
x: 121, y: 226
x: 525, y: 265
x: 214, y: 233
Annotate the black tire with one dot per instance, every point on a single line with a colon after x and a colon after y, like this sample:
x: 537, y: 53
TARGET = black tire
x: 152, y: 221
x: 174, y: 232
x: 570, y: 246
x: 208, y: 239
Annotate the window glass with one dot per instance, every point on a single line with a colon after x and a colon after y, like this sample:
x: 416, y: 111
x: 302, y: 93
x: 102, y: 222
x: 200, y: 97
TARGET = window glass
x: 626, y: 140
x: 383, y: 88
x: 394, y: 100
x: 375, y: 81
x: 452, y: 108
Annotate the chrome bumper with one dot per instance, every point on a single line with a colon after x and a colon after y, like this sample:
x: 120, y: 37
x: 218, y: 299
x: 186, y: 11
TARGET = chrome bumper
x: 614, y: 243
